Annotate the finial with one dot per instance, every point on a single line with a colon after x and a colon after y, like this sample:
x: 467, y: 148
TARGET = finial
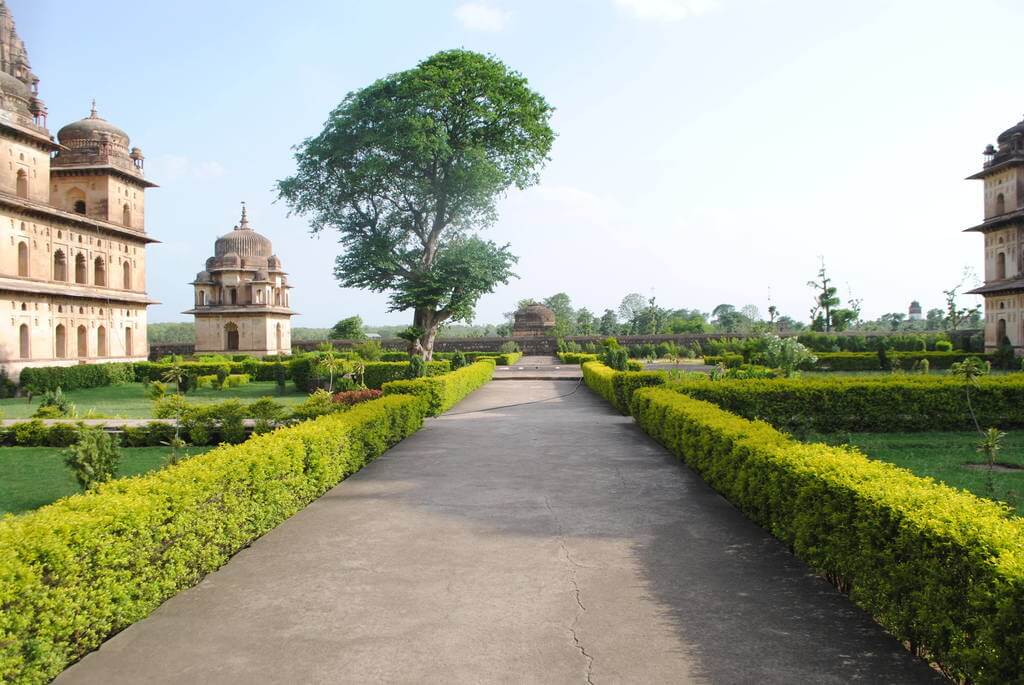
x: 244, y: 223
x: 93, y: 114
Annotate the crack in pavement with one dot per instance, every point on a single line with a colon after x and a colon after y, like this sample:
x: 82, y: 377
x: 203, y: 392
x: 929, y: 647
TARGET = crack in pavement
x: 571, y: 566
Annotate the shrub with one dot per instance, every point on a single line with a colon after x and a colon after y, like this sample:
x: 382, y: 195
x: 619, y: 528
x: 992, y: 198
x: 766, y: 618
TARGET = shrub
x: 509, y: 347
x: 458, y: 360
x: 170, y: 407
x: 600, y: 379
x: 54, y: 404
x: 878, y: 404
x: 208, y: 381
x: 943, y: 346
x: 616, y: 358
x: 417, y: 368
x: 319, y: 403
x: 883, y: 360
x: 353, y: 397
x: 68, y: 583
x: 957, y: 591
x: 441, y: 393
x: 153, y: 434
x: 369, y: 351
x: 93, y: 458
x: 41, y: 379
x: 8, y: 388
x: 576, y: 357
x: 786, y: 354
x: 376, y: 374
x: 728, y: 360
x: 236, y: 379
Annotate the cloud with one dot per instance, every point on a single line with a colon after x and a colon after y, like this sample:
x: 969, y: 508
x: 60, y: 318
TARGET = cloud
x: 479, y: 16
x: 174, y: 167
x: 667, y: 10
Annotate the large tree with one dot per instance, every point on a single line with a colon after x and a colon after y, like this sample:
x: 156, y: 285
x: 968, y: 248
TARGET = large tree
x: 408, y: 169
x: 348, y: 329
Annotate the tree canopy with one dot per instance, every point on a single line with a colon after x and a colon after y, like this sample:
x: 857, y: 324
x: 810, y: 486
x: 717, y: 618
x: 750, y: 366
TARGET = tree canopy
x: 408, y: 169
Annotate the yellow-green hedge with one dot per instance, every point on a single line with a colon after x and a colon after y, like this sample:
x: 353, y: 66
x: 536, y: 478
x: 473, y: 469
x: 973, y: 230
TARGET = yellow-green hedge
x: 74, y: 573
x: 938, y: 567
x: 443, y: 392
x: 577, y: 357
x: 600, y: 379
x: 618, y: 386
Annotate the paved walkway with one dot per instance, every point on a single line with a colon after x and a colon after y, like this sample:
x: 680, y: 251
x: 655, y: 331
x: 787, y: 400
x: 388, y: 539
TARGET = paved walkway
x: 544, y: 543
x: 538, y: 368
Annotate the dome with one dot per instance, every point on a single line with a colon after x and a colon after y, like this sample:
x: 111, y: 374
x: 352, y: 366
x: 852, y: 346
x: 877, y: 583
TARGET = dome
x: 93, y: 127
x: 243, y: 241
x: 11, y: 85
x: 1009, y: 133
x: 535, y: 314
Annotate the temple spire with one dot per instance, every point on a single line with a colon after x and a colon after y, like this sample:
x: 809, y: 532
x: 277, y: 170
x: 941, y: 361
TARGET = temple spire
x: 92, y: 113
x: 243, y: 224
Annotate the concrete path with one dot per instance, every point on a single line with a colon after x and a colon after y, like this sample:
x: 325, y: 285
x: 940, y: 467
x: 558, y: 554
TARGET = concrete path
x: 538, y: 368
x: 545, y: 543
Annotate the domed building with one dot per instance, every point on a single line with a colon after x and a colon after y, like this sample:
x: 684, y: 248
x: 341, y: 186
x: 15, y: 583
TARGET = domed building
x: 242, y: 305
x: 72, y: 223
x: 533, y: 321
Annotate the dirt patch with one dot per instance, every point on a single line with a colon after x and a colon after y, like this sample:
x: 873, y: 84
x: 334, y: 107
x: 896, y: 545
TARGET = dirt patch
x: 997, y: 467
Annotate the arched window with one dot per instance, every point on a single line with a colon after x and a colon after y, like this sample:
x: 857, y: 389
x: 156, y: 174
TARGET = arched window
x: 23, y: 342
x: 101, y: 342
x: 126, y: 215
x: 99, y: 272
x: 1000, y: 266
x: 23, y: 258
x: 202, y: 298
x: 81, y: 270
x: 1001, y: 332
x: 277, y: 297
x: 234, y: 296
x: 60, y: 342
x: 128, y: 347
x: 21, y: 188
x: 60, y: 266
x: 126, y: 268
x: 280, y: 338
x: 80, y: 206
x: 231, y: 337
x: 83, y: 342
x: 1000, y: 204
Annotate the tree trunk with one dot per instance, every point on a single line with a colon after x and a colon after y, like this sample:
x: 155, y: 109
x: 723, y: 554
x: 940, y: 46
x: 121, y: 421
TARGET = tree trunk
x: 426, y: 321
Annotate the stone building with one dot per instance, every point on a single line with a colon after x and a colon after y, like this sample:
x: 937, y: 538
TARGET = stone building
x: 72, y: 230
x: 533, y: 321
x: 914, y: 311
x: 241, y: 297
x: 1003, y: 231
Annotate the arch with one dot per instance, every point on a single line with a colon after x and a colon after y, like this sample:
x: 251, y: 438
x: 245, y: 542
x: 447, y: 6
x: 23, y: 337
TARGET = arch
x: 60, y: 342
x: 60, y: 266
x: 23, y: 258
x: 126, y: 275
x: 1000, y: 331
x: 277, y: 297
x: 81, y: 270
x: 126, y: 215
x: 230, y: 337
x: 21, y: 185
x: 23, y: 342
x: 280, y: 338
x: 99, y: 272
x: 233, y: 294
x: 1000, y: 204
x: 83, y: 342
x: 202, y: 298
x: 1000, y: 266
x: 101, y: 342
x: 128, y: 346
x: 75, y: 201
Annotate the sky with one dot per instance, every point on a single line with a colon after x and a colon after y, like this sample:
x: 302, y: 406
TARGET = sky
x: 708, y: 151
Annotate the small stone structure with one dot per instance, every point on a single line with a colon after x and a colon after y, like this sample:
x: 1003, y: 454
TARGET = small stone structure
x: 533, y: 321
x: 914, y: 312
x: 241, y: 298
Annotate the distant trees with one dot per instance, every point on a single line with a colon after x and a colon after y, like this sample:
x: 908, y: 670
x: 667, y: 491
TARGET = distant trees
x: 348, y: 329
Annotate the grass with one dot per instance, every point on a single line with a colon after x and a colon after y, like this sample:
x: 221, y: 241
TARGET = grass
x: 31, y: 477
x: 130, y: 402
x: 942, y: 456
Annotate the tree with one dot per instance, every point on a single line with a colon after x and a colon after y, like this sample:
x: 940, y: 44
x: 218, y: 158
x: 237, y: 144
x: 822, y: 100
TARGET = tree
x: 934, y: 319
x: 609, y: 323
x: 955, y: 315
x: 409, y: 168
x: 825, y: 300
x: 565, y: 318
x: 630, y: 308
x: 894, y: 319
x: 348, y: 329
x: 586, y: 322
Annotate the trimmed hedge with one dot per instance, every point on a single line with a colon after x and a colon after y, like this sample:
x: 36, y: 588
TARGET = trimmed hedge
x: 257, y: 370
x: 441, y: 393
x: 882, y: 404
x: 617, y: 387
x: 577, y: 357
x: 938, y: 567
x: 728, y: 360
x: 601, y: 379
x: 78, y: 571
x: 39, y: 379
x: 376, y: 374
x: 870, y: 361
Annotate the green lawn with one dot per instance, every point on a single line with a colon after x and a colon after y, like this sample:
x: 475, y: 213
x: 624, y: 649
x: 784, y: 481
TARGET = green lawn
x: 942, y: 456
x: 130, y: 401
x: 33, y: 476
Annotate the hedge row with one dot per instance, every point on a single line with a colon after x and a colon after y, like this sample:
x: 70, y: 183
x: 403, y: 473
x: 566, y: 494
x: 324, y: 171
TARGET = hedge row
x: 78, y: 571
x: 256, y: 370
x: 938, y: 567
x: 39, y: 379
x: 729, y: 360
x: 376, y: 374
x: 885, y: 403
x: 443, y: 392
x: 870, y: 361
x: 577, y: 357
x: 501, y: 358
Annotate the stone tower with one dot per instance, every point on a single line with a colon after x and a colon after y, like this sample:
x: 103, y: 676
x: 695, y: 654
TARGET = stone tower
x: 1003, y: 231
x: 72, y: 235
x: 241, y: 297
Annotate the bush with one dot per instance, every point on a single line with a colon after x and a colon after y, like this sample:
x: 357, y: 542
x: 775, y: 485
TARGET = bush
x: 883, y: 360
x: 876, y: 404
x: 41, y: 379
x: 441, y: 393
x: 576, y: 357
x: 728, y: 360
x: 153, y: 434
x: 600, y: 379
x: 319, y: 403
x: 369, y: 351
x: 35, y: 433
x: 236, y: 379
x: 353, y: 397
x: 68, y: 583
x: 938, y: 567
x: 458, y: 360
x: 943, y: 346
x: 94, y: 458
x: 616, y: 358
x: 509, y: 347
x: 376, y: 374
